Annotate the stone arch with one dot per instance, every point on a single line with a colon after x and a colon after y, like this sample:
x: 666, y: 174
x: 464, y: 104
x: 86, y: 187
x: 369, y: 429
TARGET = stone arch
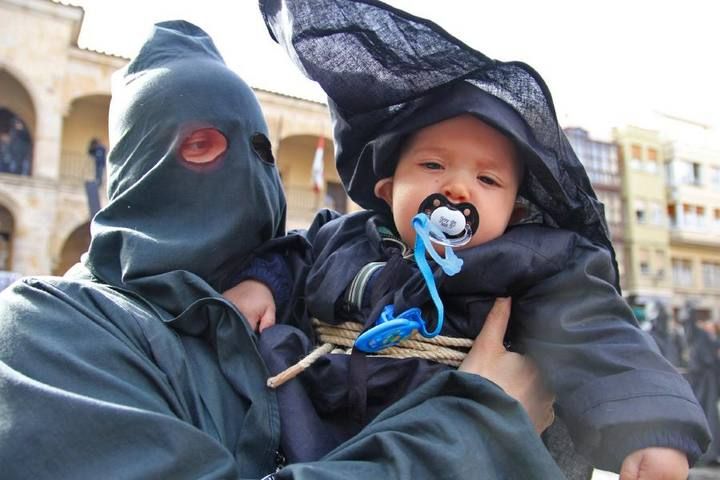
x: 295, y: 156
x: 17, y: 125
x: 74, y: 246
x: 86, y: 118
x: 22, y: 98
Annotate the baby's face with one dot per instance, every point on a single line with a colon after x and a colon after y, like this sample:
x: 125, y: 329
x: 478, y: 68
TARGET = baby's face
x: 464, y: 159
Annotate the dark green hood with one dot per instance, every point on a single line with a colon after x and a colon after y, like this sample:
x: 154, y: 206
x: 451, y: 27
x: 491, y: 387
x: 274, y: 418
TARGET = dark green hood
x: 167, y: 222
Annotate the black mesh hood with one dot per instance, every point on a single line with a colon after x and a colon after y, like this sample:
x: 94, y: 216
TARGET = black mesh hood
x: 387, y: 73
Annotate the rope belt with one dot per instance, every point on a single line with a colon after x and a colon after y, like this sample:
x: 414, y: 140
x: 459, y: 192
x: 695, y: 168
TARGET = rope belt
x: 448, y: 350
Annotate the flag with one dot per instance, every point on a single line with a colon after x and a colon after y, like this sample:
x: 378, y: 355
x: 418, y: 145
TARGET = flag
x: 318, y: 180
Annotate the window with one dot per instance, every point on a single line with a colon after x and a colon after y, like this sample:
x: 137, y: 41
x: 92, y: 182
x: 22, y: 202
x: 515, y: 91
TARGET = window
x: 651, y: 163
x: 689, y: 216
x: 700, y: 214
x: 672, y: 215
x: 635, y: 157
x: 640, y: 211
x: 687, y: 172
x: 715, y: 178
x: 650, y: 166
x: 711, y: 274
x: 652, y: 154
x: 644, y: 261
x: 656, y: 214
x: 682, y: 272
x: 659, y: 273
x: 696, y: 180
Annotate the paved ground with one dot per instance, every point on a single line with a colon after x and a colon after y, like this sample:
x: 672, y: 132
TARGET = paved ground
x: 695, y: 474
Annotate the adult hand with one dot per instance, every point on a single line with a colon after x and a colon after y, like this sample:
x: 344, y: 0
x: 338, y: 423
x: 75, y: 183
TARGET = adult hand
x: 514, y: 373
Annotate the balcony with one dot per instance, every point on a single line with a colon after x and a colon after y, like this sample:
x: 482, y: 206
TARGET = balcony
x: 76, y: 167
x: 695, y: 234
x: 302, y: 204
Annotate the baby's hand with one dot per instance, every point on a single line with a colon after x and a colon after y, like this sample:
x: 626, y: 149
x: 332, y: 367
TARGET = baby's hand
x: 255, y: 301
x: 655, y: 463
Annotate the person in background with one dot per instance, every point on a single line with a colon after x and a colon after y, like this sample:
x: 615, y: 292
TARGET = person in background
x: 98, y: 153
x: 703, y: 372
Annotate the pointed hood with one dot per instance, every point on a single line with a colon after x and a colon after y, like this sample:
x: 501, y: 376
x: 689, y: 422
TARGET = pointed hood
x: 173, y: 227
x: 388, y: 73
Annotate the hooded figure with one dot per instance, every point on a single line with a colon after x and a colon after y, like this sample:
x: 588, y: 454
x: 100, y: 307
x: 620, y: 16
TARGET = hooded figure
x: 132, y: 365
x: 703, y: 370
x: 388, y: 74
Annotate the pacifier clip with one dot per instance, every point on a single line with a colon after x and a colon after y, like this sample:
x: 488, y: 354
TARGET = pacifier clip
x: 391, y: 329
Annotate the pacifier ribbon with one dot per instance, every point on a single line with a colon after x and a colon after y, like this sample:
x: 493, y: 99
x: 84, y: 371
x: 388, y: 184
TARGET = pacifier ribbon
x: 390, y: 329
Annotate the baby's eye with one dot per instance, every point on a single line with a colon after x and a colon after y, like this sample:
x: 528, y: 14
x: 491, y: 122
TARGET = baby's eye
x: 487, y: 180
x: 430, y: 165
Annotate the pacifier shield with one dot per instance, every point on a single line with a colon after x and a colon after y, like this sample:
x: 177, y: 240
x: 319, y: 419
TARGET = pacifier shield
x: 455, y: 220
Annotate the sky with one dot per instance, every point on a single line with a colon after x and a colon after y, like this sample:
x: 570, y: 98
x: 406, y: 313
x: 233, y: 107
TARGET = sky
x: 608, y: 63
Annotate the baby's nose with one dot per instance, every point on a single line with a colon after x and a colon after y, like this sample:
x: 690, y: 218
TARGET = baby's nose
x: 456, y: 190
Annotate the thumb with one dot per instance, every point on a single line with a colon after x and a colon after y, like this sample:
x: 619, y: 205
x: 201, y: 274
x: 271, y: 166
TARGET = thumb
x: 267, y: 319
x: 492, y: 335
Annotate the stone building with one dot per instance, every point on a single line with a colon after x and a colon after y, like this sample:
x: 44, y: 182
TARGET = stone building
x: 54, y: 98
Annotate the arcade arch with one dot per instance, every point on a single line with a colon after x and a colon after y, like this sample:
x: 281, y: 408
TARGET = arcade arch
x: 7, y: 227
x: 75, y: 245
x: 295, y: 156
x: 87, y: 118
x: 17, y: 125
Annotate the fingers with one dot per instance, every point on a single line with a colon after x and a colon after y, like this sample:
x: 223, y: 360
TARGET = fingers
x: 493, y: 331
x: 548, y: 420
x: 268, y: 319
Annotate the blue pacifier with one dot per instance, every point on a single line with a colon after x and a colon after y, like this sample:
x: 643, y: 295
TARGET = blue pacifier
x: 389, y: 329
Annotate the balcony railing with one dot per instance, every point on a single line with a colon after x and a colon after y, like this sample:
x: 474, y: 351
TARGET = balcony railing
x: 303, y: 203
x: 76, y: 167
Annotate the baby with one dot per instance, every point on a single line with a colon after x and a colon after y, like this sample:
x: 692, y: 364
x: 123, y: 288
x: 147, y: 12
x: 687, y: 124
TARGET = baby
x: 531, y: 228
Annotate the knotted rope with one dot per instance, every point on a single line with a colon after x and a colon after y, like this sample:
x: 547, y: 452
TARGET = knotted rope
x: 448, y: 350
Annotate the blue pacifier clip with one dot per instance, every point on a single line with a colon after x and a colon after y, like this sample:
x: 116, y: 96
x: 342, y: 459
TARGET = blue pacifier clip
x: 389, y: 330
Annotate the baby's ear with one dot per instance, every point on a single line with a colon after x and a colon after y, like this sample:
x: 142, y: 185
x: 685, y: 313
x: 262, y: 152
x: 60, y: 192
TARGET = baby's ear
x: 383, y: 190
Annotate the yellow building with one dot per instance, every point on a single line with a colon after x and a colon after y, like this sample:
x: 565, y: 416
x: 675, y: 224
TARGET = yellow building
x: 671, y: 188
x: 692, y: 160
x: 54, y: 98
x: 647, y: 239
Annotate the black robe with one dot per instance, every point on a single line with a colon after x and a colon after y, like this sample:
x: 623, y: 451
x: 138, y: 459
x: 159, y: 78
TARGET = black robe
x: 702, y: 373
x: 615, y: 391
x: 387, y: 74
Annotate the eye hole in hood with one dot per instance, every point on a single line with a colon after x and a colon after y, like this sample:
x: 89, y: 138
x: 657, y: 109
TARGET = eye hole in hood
x: 203, y: 147
x: 263, y: 149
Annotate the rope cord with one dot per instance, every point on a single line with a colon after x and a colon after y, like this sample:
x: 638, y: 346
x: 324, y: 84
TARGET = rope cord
x: 447, y: 350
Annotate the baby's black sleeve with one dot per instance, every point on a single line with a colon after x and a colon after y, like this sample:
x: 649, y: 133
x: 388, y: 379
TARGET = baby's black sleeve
x: 615, y: 391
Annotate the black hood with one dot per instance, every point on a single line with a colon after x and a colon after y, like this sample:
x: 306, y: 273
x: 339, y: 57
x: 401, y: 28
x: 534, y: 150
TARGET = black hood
x: 170, y: 226
x: 388, y: 73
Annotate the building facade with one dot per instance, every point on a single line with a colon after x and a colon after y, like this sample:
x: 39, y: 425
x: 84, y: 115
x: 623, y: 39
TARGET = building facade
x: 671, y: 187
x: 54, y: 98
x: 600, y: 160
x: 647, y: 239
x: 692, y: 169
